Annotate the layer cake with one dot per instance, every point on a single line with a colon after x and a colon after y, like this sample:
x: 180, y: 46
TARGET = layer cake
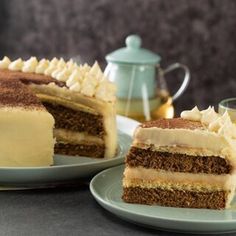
x: 183, y: 162
x: 79, y: 97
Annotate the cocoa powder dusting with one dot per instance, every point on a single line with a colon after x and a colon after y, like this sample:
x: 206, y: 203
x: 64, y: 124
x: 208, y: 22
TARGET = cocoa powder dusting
x: 14, y: 93
x: 175, y: 123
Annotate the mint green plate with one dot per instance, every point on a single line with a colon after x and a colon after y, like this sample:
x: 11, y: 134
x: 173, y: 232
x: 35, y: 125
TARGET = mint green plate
x: 67, y: 169
x: 106, y: 187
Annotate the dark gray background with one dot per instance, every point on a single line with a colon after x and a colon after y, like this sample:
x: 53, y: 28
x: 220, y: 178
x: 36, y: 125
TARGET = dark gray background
x: 199, y: 33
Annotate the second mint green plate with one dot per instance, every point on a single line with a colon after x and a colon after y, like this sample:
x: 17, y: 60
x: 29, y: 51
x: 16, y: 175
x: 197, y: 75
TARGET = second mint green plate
x: 106, y: 187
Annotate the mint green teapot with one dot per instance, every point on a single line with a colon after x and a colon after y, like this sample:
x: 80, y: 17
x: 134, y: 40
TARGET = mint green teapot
x: 142, y: 92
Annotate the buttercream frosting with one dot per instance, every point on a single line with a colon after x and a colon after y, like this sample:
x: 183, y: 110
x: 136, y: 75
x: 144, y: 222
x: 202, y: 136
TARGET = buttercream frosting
x: 30, y: 65
x: 87, y: 80
x: 16, y: 65
x: 220, y: 124
x: 4, y: 63
x: 42, y: 66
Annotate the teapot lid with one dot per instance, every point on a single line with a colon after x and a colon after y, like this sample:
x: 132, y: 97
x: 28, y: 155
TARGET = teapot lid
x: 133, y: 53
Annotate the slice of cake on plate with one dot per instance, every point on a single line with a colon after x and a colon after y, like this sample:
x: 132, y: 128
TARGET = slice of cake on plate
x: 79, y: 97
x: 183, y: 162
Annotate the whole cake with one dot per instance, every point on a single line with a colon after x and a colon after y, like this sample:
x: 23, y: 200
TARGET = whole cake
x: 79, y: 97
x: 183, y: 162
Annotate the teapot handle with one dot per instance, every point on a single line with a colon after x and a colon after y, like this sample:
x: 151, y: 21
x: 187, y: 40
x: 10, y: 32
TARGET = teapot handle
x: 185, y: 80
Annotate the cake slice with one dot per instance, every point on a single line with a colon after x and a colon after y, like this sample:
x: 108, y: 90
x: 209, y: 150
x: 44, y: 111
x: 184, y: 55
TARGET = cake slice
x: 80, y: 99
x: 183, y: 162
x: 26, y: 137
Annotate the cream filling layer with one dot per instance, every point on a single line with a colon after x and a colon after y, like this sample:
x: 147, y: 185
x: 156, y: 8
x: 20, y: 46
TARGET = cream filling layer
x: 140, y: 176
x: 217, y: 144
x: 66, y: 136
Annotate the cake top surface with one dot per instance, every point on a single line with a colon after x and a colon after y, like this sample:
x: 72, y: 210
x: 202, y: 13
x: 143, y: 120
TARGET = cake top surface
x: 29, y: 77
x: 15, y: 94
x: 175, y: 123
x: 87, y: 80
x: 194, y: 119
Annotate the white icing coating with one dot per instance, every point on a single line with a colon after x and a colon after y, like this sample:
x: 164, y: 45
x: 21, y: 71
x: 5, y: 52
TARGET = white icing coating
x: 4, y: 63
x: 220, y: 124
x: 16, y: 65
x: 88, y: 80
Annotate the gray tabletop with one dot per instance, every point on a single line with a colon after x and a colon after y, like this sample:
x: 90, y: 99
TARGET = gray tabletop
x: 61, y: 211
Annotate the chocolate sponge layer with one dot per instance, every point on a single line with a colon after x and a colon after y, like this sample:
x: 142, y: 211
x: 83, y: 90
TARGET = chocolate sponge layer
x: 177, y: 162
x: 77, y: 121
x: 89, y: 150
x: 175, y: 198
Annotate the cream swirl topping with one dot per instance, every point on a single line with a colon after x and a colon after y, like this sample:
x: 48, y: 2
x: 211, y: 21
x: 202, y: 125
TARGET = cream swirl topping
x: 193, y: 114
x: 16, y: 65
x: 4, y: 63
x: 85, y: 79
x: 30, y: 65
x: 42, y: 66
x: 220, y: 124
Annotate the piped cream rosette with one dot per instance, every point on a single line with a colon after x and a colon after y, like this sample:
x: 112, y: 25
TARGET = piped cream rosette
x: 85, y: 79
x: 220, y: 124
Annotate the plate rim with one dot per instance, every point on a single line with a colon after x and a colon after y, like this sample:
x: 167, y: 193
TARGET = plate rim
x: 121, y: 209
